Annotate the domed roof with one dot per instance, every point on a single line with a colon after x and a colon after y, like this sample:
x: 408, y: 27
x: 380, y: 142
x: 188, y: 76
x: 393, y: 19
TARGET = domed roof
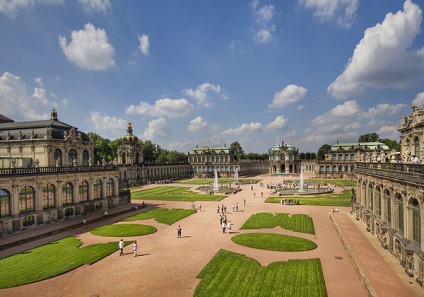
x: 129, y: 138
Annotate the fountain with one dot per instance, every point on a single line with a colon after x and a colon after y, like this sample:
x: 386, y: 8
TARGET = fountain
x: 236, y: 176
x: 302, y: 183
x: 215, y: 182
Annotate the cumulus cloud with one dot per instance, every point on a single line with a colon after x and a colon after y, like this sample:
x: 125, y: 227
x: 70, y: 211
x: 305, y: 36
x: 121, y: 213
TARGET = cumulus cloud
x: 383, y: 58
x: 419, y: 100
x: 245, y: 128
x: 390, y: 132
x: 383, y: 109
x: 198, y: 124
x: 278, y: 123
x: 89, y: 48
x: 18, y: 104
x: 144, y: 44
x: 288, y: 95
x: 172, y: 108
x: 200, y: 94
x: 11, y: 7
x: 342, y: 11
x: 264, y: 25
x: 90, y: 6
x: 105, y: 123
x: 157, y: 129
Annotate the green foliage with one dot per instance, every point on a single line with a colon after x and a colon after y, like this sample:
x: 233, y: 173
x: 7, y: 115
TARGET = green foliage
x: 337, y: 182
x: 50, y: 260
x: 235, y: 275
x: 332, y: 199
x: 297, y: 222
x: 101, y: 148
x: 322, y: 151
x: 123, y: 230
x: 162, y: 215
x: 149, y: 151
x: 236, y: 148
x: 370, y: 137
x: 392, y: 144
x: 113, y: 145
x: 255, y: 156
x: 170, y: 193
x: 274, y: 242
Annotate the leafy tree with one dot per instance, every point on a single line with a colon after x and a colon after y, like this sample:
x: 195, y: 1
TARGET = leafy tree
x: 256, y: 156
x: 370, y: 137
x: 313, y: 156
x: 101, y: 148
x: 113, y: 146
x: 162, y: 157
x: 175, y: 157
x: 238, y: 150
x: 322, y: 151
x: 301, y: 156
x: 149, y: 151
x: 392, y: 144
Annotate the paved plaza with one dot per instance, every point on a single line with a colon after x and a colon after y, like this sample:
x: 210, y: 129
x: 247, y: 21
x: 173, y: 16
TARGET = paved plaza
x: 352, y: 262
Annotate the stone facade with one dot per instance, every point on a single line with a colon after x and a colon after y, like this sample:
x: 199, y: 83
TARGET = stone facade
x: 284, y: 159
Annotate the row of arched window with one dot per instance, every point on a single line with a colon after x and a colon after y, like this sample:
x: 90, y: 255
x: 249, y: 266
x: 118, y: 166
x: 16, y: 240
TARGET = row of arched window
x: 27, y: 196
x: 213, y: 168
x: 167, y: 171
x: 335, y: 168
x: 343, y: 157
x: 72, y: 155
x: 209, y: 159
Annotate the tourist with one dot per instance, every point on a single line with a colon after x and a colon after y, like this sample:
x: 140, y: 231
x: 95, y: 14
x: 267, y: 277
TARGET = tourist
x: 244, y: 202
x: 254, y: 194
x: 262, y: 194
x: 236, y: 206
x: 84, y: 222
x: 135, y: 248
x: 223, y: 227
x: 200, y: 207
x: 121, y: 247
x: 233, y: 207
x: 229, y: 227
x: 217, y: 211
x: 179, y: 231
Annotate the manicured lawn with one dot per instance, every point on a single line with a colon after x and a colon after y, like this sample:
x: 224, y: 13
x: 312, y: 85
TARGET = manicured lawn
x: 171, y: 193
x: 332, y: 182
x: 343, y: 199
x: 297, y: 222
x: 123, y: 230
x: 205, y: 181
x: 235, y: 275
x: 274, y: 242
x: 50, y: 260
x: 162, y: 215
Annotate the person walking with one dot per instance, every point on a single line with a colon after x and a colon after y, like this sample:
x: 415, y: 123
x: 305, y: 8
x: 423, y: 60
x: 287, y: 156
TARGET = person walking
x: 223, y: 227
x: 135, y: 246
x: 121, y: 247
x: 84, y: 223
x: 244, y: 202
x: 229, y: 227
x: 179, y: 231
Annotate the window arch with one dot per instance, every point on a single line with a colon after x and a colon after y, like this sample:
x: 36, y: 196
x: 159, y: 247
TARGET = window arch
x: 58, y: 157
x: 49, y: 196
x: 389, y: 206
x: 400, y: 214
x: 378, y: 202
x: 416, y: 223
x: 417, y: 147
x: 110, y: 187
x: 83, y: 191
x: 85, y: 157
x: 370, y: 198
x: 72, y: 155
x: 26, y: 199
x: 67, y: 191
x: 4, y: 203
x: 97, y: 190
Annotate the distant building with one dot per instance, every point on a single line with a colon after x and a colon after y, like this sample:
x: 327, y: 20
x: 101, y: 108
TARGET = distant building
x: 284, y: 159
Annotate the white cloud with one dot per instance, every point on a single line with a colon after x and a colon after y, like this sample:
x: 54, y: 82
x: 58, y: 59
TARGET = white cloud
x: 108, y: 124
x: 89, y: 48
x: 288, y: 95
x: 383, y: 109
x: 264, y: 26
x: 200, y: 94
x: 390, y: 132
x: 144, y: 44
x: 245, y: 128
x: 419, y: 100
x: 278, y: 123
x: 198, y: 124
x: 11, y: 7
x: 39, y: 81
x: 383, y: 58
x: 65, y: 102
x: 172, y: 108
x: 342, y: 11
x: 157, y: 129
x: 90, y: 6
x: 17, y: 104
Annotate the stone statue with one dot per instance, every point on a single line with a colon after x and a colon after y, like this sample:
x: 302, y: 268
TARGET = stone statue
x: 90, y: 162
x: 74, y: 162
x: 58, y: 162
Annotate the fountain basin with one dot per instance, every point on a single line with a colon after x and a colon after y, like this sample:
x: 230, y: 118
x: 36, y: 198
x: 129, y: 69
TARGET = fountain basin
x: 220, y: 190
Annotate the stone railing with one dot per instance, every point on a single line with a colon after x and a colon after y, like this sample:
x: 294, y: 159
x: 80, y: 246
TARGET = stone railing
x: 9, y: 172
x: 411, y: 173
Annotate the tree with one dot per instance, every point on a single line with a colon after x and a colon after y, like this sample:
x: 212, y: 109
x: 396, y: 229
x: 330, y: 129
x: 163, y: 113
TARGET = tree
x: 113, y: 146
x: 322, y: 151
x: 101, y: 148
x: 236, y: 148
x: 392, y: 144
x: 149, y: 151
x: 370, y: 137
x: 177, y: 157
x: 313, y: 156
x: 301, y: 156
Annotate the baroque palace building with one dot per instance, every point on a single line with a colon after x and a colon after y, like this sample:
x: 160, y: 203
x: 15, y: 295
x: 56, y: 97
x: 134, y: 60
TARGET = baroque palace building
x: 390, y: 197
x: 284, y: 159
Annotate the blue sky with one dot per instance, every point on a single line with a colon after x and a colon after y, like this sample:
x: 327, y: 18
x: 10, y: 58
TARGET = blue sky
x: 208, y: 73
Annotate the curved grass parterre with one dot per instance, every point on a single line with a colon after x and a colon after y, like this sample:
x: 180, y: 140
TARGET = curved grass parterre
x: 297, y: 222
x: 50, y: 260
x: 170, y: 193
x: 162, y: 215
x: 232, y: 274
x: 343, y: 199
x: 274, y: 242
x: 123, y: 230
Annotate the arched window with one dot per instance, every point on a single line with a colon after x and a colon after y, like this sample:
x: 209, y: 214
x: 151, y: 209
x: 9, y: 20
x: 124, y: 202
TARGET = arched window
x: 48, y: 196
x: 340, y: 157
x: 334, y: 157
x: 97, y: 191
x: 4, y: 203
x: 346, y: 158
x: 400, y: 214
x: 58, y: 157
x: 72, y: 155
x: 389, y: 207
x: 416, y: 223
x: 334, y: 168
x: 83, y: 191
x: 110, y: 187
x: 378, y: 201
x: 67, y: 190
x: 352, y: 157
x: 417, y: 147
x: 26, y: 199
x: 85, y: 157
x: 370, y: 197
